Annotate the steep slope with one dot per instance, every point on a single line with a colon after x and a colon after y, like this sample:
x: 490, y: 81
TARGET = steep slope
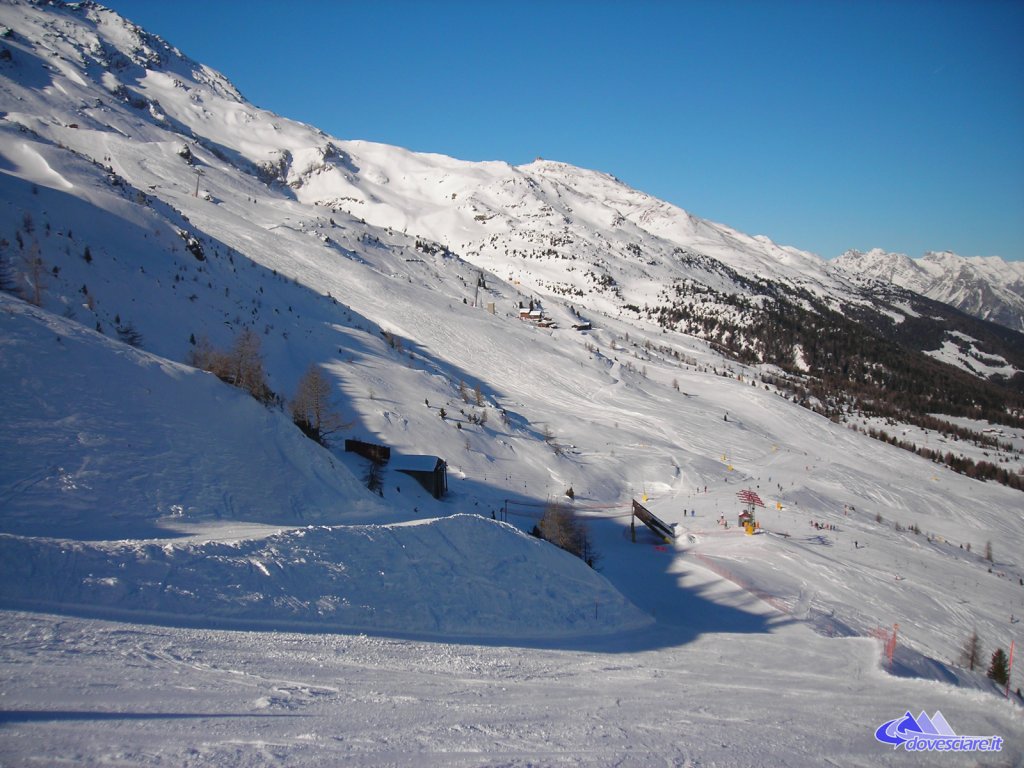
x: 986, y: 287
x: 108, y: 441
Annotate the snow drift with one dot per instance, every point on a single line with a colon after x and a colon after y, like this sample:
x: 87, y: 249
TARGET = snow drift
x: 456, y: 576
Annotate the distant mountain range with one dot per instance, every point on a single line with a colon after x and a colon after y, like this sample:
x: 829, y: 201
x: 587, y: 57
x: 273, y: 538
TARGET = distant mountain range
x: 986, y: 287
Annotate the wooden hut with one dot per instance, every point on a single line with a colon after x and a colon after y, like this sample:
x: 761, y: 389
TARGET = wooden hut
x: 378, y: 454
x: 429, y: 471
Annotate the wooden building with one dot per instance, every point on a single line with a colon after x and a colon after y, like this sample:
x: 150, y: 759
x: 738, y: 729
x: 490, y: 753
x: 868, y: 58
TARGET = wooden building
x: 378, y: 454
x: 429, y: 471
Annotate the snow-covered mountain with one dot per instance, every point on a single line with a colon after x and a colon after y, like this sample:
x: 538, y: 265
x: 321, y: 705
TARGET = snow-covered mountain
x: 984, y: 286
x: 169, y: 127
x: 149, y: 212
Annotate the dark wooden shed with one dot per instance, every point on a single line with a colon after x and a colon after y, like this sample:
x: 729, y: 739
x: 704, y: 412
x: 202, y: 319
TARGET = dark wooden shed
x: 378, y: 454
x: 429, y: 471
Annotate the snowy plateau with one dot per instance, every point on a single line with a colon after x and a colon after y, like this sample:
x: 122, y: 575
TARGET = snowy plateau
x: 187, y: 579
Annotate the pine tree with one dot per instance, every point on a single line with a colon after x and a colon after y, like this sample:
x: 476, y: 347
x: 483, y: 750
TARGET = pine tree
x: 203, y: 354
x: 129, y: 334
x: 374, y: 478
x: 241, y: 366
x: 999, y: 670
x: 561, y: 527
x: 970, y: 655
x: 312, y: 410
x: 8, y: 280
x: 245, y: 366
x: 34, y: 269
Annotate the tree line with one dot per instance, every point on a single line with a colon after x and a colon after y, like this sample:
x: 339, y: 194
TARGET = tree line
x: 859, y: 360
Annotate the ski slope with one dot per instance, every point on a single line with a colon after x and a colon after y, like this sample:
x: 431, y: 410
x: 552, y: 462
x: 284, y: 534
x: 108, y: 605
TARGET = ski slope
x: 669, y: 650
x: 108, y: 692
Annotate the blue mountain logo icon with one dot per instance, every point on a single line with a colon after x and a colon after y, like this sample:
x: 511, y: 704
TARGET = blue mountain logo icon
x: 924, y: 733
x: 902, y: 729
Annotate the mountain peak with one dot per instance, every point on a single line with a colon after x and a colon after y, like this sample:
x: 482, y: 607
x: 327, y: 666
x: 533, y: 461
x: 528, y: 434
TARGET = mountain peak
x: 986, y: 287
x: 103, y: 45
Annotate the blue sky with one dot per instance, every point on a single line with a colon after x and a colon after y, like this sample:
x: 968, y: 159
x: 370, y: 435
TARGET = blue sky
x: 825, y: 125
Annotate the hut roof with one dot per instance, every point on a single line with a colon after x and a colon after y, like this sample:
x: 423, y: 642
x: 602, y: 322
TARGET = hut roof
x: 415, y: 463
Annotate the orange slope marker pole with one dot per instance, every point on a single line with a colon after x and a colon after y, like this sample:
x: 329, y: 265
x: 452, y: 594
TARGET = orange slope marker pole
x: 1009, y: 671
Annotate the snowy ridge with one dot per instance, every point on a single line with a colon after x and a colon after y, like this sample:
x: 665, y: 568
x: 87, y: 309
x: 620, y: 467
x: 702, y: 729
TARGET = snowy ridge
x: 984, y: 286
x: 569, y: 231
